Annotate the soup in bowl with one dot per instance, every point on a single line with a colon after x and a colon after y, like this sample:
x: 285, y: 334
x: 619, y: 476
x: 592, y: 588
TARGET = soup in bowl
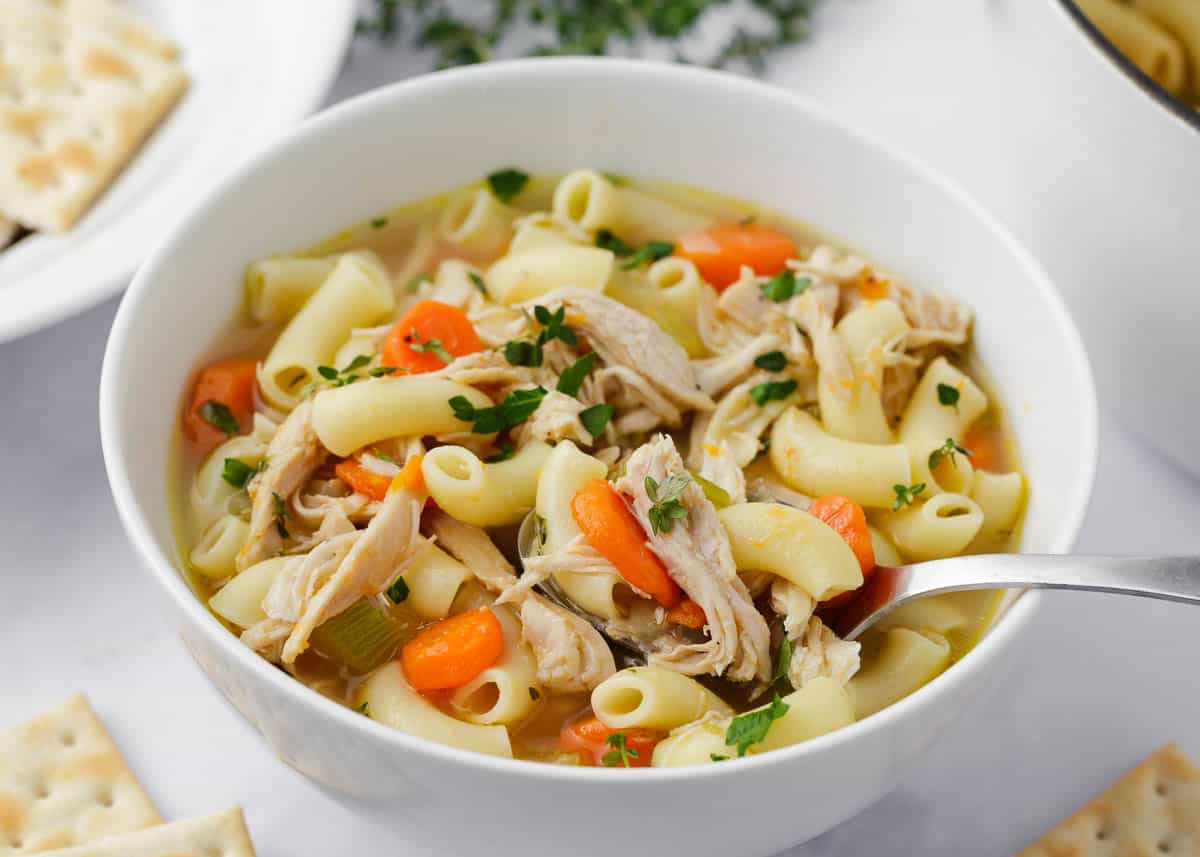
x: 491, y: 469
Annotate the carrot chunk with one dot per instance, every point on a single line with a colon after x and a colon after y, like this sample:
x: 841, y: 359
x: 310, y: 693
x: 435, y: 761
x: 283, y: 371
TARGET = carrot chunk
x: 611, y: 528
x: 221, y: 403
x: 450, y: 653
x: 429, y: 336
x: 720, y: 252
x: 850, y: 522
x: 687, y: 613
x: 592, y: 740
x: 986, y: 445
x: 361, y: 479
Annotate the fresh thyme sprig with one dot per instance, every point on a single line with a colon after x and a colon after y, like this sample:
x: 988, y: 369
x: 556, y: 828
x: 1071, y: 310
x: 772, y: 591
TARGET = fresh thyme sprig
x: 572, y: 27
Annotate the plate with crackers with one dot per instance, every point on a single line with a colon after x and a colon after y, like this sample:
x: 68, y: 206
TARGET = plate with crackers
x: 115, y: 114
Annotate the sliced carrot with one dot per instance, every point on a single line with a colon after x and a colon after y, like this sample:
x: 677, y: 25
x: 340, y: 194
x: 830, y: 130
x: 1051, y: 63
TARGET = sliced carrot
x: 363, y: 480
x: 589, y: 738
x: 687, y: 613
x: 720, y: 252
x: 610, y: 527
x: 450, y: 653
x: 986, y: 445
x: 426, y: 335
x: 410, y: 477
x: 850, y: 522
x: 228, y: 383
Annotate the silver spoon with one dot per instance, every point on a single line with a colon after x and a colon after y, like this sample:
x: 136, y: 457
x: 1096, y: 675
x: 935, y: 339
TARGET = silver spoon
x: 1170, y: 578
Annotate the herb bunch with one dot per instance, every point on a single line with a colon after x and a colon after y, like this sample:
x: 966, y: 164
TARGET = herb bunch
x: 595, y: 27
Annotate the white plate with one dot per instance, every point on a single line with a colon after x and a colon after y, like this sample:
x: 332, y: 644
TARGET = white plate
x: 255, y: 67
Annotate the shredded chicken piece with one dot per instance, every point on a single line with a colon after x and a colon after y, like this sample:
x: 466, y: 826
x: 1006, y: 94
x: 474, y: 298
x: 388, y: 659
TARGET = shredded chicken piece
x: 813, y: 312
x: 936, y: 319
x: 293, y: 455
x: 622, y: 336
x: 571, y: 655
x: 719, y: 466
x: 698, y: 557
x: 816, y: 650
x: 556, y: 418
x: 744, y: 301
x: 717, y: 374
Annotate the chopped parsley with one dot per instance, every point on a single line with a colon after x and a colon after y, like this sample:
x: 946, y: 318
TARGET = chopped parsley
x: 606, y: 240
x: 772, y: 361
x: 414, y: 283
x: 219, y: 416
x: 521, y: 353
x: 517, y: 407
x: 477, y: 282
x: 427, y: 346
x: 667, y: 507
x: 398, y: 591
x: 380, y: 371
x: 348, y: 375
x: 237, y: 472
x: 772, y: 391
x: 507, y: 183
x: 572, y: 377
x: 651, y: 251
x: 718, y: 758
x: 947, y: 450
x: 281, y: 514
x: 378, y: 222
x: 506, y: 452
x: 905, y: 494
x: 615, y: 179
x: 948, y: 395
x: 364, y: 710
x: 783, y: 660
x: 751, y: 728
x: 595, y: 418
x: 619, y: 754
x: 784, y: 286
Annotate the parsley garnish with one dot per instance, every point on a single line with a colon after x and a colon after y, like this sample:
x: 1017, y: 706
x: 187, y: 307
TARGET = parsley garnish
x: 948, y: 395
x: 507, y: 183
x: 619, y: 754
x: 572, y: 377
x: 595, y: 418
x: 427, y: 346
x: 784, y: 286
x: 348, y: 375
x: 520, y: 353
x: 616, y: 180
x: 772, y: 361
x: 717, y: 758
x: 398, y: 591
x: 947, y: 450
x: 772, y: 390
x: 523, y: 353
x: 378, y: 222
x: 506, y: 452
x: 219, y: 416
x: 651, y: 251
x: 414, y: 283
x: 905, y: 494
x: 477, y: 282
x: 783, y: 660
x: 281, y: 514
x: 517, y: 407
x: 751, y: 728
x: 667, y: 507
x: 364, y: 710
x: 606, y: 240
x: 237, y: 472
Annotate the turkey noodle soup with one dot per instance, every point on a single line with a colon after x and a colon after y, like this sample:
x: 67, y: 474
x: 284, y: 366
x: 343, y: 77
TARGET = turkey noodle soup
x: 576, y: 470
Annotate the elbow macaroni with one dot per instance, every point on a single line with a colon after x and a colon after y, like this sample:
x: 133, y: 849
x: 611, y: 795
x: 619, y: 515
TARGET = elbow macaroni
x: 504, y: 692
x: 908, y: 659
x: 486, y: 495
x: 942, y: 526
x: 859, y: 416
x: 653, y: 698
x: 277, y: 288
x: 531, y: 273
x: 927, y: 424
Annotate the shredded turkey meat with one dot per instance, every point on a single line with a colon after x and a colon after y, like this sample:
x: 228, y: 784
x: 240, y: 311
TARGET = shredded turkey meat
x: 571, y: 655
x: 697, y: 555
x: 293, y: 455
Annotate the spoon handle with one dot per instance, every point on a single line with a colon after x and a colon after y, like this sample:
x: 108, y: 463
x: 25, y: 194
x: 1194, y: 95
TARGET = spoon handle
x: 1172, y: 578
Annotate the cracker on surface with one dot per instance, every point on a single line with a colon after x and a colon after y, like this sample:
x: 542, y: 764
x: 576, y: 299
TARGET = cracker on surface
x: 221, y: 835
x: 63, y: 782
x: 82, y: 83
x: 1152, y: 811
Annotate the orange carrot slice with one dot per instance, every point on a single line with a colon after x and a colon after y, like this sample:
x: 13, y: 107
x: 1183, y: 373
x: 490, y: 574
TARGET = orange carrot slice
x: 720, y: 252
x: 222, y: 388
x: 428, y: 336
x: 450, y: 653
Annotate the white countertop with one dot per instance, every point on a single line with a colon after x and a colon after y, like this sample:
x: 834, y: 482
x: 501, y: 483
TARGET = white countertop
x: 1099, y: 681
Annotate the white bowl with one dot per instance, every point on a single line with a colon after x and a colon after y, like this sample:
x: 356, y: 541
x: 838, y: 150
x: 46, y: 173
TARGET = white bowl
x: 702, y: 128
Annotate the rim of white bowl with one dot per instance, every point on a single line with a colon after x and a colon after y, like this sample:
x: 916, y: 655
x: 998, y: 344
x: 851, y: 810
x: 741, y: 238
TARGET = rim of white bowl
x: 164, y: 569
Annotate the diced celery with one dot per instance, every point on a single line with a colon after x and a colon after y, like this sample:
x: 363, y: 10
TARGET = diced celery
x: 716, y: 495
x: 363, y: 637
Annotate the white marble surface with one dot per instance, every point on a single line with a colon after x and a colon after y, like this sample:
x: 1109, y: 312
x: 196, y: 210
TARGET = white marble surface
x: 1098, y: 682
